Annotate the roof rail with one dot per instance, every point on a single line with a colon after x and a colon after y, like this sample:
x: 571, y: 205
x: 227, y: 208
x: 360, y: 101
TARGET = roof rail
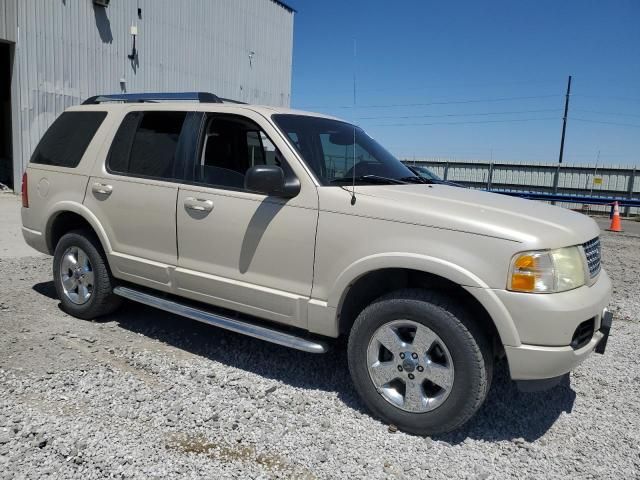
x: 202, y: 97
x: 230, y: 100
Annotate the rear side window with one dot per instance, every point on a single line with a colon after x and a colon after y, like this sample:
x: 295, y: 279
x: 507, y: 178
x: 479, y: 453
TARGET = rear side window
x: 146, y: 144
x: 64, y: 144
x: 121, y: 146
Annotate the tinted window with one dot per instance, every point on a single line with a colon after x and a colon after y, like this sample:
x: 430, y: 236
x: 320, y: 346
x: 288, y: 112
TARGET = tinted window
x: 67, y: 139
x: 230, y: 147
x: 146, y: 143
x: 334, y: 149
x: 121, y: 146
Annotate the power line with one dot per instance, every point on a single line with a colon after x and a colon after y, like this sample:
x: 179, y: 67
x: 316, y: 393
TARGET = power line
x: 607, y: 113
x: 602, y: 154
x: 461, y: 83
x: 426, y: 104
x: 606, y: 123
x: 459, y: 114
x: 608, y: 97
x: 464, y: 123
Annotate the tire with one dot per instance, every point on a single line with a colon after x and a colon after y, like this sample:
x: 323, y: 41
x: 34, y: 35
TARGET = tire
x: 450, y: 348
x: 80, y: 254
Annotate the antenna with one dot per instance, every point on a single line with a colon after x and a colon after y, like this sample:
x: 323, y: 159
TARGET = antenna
x: 353, y: 169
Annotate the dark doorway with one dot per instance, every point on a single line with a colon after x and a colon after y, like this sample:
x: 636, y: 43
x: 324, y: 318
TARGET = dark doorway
x: 6, y: 162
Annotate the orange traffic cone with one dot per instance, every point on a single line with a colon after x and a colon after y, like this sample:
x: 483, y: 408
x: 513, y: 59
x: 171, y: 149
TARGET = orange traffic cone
x: 615, y: 226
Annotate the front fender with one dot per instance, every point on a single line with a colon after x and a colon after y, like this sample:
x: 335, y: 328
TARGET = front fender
x: 423, y: 263
x: 448, y: 270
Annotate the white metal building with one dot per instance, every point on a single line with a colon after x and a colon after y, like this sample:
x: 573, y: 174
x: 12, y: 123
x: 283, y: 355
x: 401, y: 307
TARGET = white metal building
x: 56, y: 53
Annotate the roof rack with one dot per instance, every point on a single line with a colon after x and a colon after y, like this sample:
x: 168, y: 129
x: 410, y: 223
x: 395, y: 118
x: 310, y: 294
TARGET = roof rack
x: 230, y: 100
x: 202, y: 97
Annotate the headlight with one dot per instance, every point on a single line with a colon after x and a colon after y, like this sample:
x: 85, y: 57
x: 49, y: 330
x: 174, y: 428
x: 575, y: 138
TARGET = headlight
x: 547, y: 271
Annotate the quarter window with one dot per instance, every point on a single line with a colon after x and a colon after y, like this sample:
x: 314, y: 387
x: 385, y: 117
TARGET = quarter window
x: 66, y: 140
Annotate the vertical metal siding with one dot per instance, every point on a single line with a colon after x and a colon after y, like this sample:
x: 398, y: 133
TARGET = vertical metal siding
x: 8, y: 20
x: 68, y: 51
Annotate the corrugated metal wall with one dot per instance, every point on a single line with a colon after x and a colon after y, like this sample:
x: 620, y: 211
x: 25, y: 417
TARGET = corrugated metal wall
x: 8, y: 10
x: 68, y: 50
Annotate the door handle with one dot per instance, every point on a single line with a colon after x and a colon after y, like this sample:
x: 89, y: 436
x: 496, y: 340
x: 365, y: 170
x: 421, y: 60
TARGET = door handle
x: 198, y: 204
x: 102, y: 188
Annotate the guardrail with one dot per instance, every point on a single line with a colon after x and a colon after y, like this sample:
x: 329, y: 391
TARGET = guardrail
x: 574, y: 184
x: 622, y: 202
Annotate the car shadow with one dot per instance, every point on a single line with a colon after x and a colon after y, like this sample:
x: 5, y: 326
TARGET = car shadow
x: 260, y: 220
x: 47, y: 289
x: 506, y: 415
x: 510, y: 414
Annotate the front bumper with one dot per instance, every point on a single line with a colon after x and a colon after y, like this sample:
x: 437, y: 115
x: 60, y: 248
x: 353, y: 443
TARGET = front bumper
x: 551, y: 319
x: 534, y: 362
x: 546, y: 325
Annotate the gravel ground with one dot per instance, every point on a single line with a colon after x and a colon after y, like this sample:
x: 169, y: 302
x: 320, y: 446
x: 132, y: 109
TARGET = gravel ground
x: 144, y: 394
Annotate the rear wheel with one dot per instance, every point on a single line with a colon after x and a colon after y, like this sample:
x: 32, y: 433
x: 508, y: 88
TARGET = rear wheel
x: 81, y: 276
x: 419, y: 362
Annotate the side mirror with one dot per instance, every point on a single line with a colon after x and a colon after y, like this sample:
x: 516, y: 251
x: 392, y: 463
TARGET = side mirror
x: 269, y: 180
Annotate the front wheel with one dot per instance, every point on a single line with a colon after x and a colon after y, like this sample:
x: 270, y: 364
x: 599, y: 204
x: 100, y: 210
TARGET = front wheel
x: 419, y: 362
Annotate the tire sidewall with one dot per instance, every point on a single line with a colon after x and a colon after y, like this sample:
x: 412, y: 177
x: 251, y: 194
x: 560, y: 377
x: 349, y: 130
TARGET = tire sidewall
x: 468, y: 381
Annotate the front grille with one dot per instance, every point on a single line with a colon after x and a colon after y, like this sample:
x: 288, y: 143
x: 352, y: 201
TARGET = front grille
x: 592, y: 251
x: 583, y: 334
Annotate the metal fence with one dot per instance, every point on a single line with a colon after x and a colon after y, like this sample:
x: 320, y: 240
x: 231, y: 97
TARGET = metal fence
x: 567, y: 179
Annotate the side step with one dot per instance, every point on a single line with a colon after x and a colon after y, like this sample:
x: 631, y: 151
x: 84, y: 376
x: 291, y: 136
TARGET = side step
x: 217, y: 320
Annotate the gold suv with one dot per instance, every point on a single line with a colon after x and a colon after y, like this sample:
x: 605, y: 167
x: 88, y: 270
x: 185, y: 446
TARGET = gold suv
x: 296, y: 228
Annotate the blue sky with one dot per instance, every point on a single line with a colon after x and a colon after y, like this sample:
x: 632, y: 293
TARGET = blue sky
x: 476, y: 79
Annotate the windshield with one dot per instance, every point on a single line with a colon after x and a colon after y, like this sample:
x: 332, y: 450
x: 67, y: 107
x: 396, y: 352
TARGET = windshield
x: 424, y: 172
x: 327, y: 146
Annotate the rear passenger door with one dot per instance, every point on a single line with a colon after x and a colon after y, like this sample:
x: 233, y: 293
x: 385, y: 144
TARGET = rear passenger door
x: 134, y: 194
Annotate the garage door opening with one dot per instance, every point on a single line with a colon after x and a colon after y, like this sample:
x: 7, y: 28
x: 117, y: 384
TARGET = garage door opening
x: 6, y: 162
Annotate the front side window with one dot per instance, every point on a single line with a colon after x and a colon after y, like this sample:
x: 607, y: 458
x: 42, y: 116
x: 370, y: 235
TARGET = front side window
x: 66, y: 140
x: 146, y: 144
x: 231, y: 145
x: 336, y: 151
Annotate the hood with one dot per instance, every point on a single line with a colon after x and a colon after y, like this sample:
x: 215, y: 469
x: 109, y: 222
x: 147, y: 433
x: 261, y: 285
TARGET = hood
x: 534, y: 223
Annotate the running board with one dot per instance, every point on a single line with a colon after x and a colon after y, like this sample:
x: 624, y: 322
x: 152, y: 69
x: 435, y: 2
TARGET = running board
x: 252, y: 330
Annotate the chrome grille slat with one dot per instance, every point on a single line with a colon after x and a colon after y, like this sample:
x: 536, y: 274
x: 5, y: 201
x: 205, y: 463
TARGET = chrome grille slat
x: 592, y: 252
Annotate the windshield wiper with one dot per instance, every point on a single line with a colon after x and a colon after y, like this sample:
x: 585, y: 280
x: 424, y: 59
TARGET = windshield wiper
x: 417, y: 180
x: 369, y: 178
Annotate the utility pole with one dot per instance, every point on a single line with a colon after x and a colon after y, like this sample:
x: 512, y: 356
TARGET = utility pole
x: 556, y: 177
x: 564, y: 119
